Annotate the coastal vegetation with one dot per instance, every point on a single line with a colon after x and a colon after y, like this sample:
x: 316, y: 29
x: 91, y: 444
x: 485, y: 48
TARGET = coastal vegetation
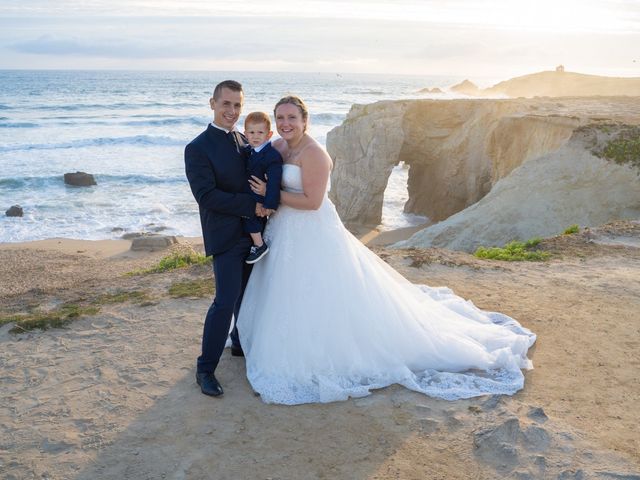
x: 122, y: 296
x: 514, y: 252
x: 570, y: 230
x: 36, y: 318
x: 56, y: 318
x: 623, y: 148
x: 192, y: 288
x: 183, y: 258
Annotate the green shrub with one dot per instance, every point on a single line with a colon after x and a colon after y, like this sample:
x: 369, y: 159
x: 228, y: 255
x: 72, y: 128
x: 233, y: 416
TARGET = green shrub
x: 514, y: 252
x: 575, y: 228
x: 623, y: 148
x: 175, y: 260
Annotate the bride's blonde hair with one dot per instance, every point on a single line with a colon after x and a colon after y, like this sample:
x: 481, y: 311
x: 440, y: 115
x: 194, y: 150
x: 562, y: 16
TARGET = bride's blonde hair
x: 298, y: 102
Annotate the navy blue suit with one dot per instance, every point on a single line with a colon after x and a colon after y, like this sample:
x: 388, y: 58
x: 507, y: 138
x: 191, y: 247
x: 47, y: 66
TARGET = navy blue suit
x: 216, y: 170
x: 266, y: 165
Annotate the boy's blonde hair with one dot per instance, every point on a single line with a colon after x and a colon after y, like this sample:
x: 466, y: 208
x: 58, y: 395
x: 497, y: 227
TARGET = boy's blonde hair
x: 258, y: 117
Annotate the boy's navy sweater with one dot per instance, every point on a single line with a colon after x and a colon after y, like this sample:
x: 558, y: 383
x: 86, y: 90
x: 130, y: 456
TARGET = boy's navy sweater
x: 267, y: 161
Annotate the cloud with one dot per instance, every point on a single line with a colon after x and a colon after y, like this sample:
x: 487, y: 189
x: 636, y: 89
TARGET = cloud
x: 300, y: 44
x: 108, y: 48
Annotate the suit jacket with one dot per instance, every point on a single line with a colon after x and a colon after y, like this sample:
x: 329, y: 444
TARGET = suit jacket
x: 267, y: 161
x: 216, y: 170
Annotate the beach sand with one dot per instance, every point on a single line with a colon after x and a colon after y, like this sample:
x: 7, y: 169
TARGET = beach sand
x: 112, y: 395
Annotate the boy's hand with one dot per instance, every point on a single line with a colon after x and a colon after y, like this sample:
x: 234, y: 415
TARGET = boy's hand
x: 260, y: 210
x: 268, y: 211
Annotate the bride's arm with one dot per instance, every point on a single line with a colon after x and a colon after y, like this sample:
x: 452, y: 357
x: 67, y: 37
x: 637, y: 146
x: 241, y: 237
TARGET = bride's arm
x: 316, y: 167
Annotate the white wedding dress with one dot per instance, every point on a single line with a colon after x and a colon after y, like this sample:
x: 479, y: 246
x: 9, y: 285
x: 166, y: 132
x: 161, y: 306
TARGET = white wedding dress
x: 324, y: 319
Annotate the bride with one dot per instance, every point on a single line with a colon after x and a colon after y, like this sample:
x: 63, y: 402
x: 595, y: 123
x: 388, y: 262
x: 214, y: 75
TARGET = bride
x: 324, y: 319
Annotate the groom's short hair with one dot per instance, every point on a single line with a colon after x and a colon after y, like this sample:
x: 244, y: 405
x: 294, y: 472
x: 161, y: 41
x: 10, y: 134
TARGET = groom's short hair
x: 230, y: 84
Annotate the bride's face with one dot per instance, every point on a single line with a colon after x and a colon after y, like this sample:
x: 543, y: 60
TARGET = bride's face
x: 289, y: 122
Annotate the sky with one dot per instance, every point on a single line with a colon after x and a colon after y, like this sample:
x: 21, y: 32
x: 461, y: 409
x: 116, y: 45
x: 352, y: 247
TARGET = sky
x: 493, y: 38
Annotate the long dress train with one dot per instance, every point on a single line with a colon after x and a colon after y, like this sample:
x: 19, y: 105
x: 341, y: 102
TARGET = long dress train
x: 323, y: 318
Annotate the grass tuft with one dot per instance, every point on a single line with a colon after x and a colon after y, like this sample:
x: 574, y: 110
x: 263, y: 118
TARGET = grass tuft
x: 570, y: 230
x: 514, y: 252
x: 121, y: 296
x: 178, y: 259
x: 192, y: 288
x: 56, y: 318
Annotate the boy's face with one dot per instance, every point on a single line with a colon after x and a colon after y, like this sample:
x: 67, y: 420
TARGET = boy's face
x: 257, y: 133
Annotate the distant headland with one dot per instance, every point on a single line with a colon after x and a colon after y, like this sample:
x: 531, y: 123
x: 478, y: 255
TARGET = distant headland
x: 558, y: 83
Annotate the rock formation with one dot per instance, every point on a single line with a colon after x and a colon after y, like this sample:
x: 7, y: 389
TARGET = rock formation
x: 460, y: 150
x: 14, y: 211
x: 365, y: 149
x: 79, y: 179
x: 542, y: 197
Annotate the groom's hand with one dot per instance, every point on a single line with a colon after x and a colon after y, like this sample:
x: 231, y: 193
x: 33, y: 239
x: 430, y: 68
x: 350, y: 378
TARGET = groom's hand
x: 257, y: 185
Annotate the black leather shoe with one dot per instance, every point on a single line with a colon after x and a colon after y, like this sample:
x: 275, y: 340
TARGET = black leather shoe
x: 236, y: 351
x: 209, y: 384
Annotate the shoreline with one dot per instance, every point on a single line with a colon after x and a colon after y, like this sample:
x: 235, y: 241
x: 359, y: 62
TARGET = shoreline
x: 120, y: 248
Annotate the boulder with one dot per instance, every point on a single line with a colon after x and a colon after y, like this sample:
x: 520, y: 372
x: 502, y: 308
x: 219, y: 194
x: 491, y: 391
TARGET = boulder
x: 79, y: 179
x: 14, y: 211
x: 152, y: 243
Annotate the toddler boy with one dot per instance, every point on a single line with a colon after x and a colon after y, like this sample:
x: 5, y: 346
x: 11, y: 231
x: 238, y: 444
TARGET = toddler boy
x: 264, y: 162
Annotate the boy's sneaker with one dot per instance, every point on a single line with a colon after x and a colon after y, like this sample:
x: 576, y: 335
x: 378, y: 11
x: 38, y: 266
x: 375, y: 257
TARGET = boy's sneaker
x: 256, y: 253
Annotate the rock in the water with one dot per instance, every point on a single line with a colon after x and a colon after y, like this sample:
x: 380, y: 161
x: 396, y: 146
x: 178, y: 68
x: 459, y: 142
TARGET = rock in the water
x: 79, y: 179
x: 152, y: 243
x: 14, y: 211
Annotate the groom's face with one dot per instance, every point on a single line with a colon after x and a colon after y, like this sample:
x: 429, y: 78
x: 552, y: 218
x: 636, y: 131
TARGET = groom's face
x: 227, y: 107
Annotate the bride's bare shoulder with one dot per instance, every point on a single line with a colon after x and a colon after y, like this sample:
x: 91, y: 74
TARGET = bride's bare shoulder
x: 280, y: 145
x: 316, y: 154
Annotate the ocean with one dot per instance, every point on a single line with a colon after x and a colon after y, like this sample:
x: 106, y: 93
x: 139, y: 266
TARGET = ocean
x: 129, y: 130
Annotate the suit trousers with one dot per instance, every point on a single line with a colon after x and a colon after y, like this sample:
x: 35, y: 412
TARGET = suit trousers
x: 231, y: 275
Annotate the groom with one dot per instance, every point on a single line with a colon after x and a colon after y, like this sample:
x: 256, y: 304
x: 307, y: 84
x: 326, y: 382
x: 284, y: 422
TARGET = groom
x: 215, y: 167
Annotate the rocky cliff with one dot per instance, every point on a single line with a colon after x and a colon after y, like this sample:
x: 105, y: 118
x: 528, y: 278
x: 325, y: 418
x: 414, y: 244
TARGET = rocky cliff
x: 531, y: 154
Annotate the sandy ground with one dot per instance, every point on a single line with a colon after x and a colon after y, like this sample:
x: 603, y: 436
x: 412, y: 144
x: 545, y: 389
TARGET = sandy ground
x: 112, y: 395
